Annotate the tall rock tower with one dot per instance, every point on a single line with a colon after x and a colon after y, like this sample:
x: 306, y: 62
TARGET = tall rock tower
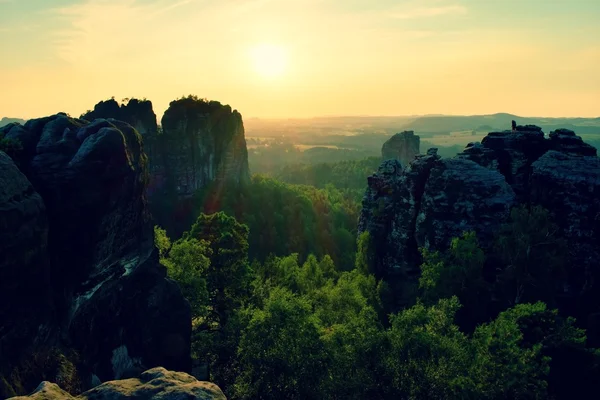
x: 402, y: 146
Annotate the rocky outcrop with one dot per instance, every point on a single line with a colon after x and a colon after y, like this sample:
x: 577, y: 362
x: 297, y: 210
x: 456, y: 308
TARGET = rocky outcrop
x: 202, y: 142
x: 568, y: 184
x: 24, y: 291
x: 157, y: 384
x: 137, y: 113
x: 426, y: 205
x: 79, y: 206
x: 433, y: 200
x: 402, y: 146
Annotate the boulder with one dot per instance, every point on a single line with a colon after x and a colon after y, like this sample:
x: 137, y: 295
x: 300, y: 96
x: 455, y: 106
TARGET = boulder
x: 154, y: 384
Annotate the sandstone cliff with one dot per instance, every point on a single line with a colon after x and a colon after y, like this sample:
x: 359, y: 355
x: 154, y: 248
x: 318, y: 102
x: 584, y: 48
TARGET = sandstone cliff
x: 201, y: 144
x: 157, y: 384
x: 78, y: 267
x: 137, y: 113
x: 434, y: 199
x: 402, y: 146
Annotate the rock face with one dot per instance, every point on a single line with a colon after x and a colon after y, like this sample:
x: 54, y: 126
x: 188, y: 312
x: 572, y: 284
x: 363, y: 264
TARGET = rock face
x: 433, y: 200
x: 137, y: 113
x: 24, y: 289
x: 202, y: 142
x: 156, y: 384
x: 402, y: 146
x: 85, y: 233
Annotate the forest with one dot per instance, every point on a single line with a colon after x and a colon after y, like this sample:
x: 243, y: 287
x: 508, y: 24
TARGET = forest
x: 286, y: 303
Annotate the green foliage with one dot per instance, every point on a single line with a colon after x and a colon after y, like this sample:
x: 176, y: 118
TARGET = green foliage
x: 365, y: 257
x: 298, y: 327
x: 532, y: 256
x: 10, y: 146
x: 285, y: 219
x: 428, y: 357
x: 514, y: 368
x: 281, y: 354
x: 349, y: 176
x: 52, y: 364
x: 162, y: 241
x: 317, y: 166
x: 188, y: 264
x: 228, y: 272
x: 458, y: 272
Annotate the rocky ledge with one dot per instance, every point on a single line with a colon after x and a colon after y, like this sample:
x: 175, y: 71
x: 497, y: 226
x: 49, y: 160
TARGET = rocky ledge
x: 156, y: 384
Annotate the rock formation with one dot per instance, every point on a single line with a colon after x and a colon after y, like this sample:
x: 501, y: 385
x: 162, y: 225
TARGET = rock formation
x: 156, y: 383
x: 78, y: 266
x: 137, y: 113
x: 402, y: 146
x: 201, y: 143
x: 434, y: 199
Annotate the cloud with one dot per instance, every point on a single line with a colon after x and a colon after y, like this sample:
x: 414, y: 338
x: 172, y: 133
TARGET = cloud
x: 99, y: 30
x: 426, y: 12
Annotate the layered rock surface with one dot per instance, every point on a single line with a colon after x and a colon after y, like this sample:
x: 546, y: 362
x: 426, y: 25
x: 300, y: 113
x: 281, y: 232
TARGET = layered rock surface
x: 433, y: 200
x: 77, y: 202
x: 403, y: 146
x: 156, y: 384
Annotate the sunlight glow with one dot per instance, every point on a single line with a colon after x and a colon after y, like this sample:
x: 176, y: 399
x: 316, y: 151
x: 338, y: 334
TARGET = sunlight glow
x: 269, y: 60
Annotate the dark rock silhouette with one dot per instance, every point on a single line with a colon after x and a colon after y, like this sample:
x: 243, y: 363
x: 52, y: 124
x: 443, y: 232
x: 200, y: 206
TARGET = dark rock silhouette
x: 201, y: 145
x: 157, y: 383
x: 202, y: 142
x: 433, y: 200
x: 86, y: 234
x: 137, y: 113
x: 402, y: 146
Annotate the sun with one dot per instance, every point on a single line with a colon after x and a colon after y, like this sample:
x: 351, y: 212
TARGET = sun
x: 269, y: 60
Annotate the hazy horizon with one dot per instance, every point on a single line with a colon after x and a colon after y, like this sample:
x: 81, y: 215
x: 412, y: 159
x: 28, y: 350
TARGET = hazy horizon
x: 293, y: 59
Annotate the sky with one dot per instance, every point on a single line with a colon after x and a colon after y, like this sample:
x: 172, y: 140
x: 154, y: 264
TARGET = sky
x: 304, y: 58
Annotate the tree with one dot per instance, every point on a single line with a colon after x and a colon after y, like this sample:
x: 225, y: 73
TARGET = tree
x: 531, y: 256
x: 365, y: 259
x: 457, y: 272
x: 228, y: 274
x: 281, y: 355
x: 507, y: 366
x: 188, y: 264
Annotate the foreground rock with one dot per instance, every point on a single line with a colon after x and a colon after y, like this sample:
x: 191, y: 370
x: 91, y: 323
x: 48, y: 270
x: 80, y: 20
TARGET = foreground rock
x: 156, y: 384
x: 79, y: 267
x: 433, y: 200
x: 402, y: 146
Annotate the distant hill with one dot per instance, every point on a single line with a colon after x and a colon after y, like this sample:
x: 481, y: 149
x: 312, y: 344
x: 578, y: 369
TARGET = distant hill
x: 501, y: 121
x: 6, y: 121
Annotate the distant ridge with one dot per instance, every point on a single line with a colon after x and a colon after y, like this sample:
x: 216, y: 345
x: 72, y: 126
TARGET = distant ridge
x: 6, y: 121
